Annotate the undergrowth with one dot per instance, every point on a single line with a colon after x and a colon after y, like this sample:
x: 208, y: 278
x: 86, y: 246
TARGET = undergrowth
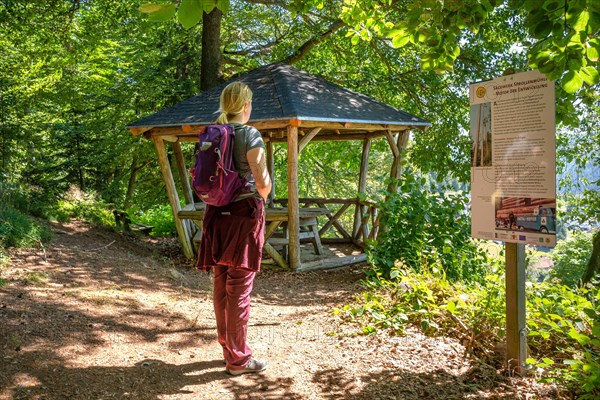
x: 424, y: 226
x: 160, y: 217
x: 563, y: 323
x: 20, y: 230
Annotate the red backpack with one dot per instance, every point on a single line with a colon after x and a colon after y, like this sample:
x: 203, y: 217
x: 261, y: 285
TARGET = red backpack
x: 214, y: 176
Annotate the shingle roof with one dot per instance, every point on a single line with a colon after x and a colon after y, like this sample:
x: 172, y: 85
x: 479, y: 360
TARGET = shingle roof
x: 282, y: 92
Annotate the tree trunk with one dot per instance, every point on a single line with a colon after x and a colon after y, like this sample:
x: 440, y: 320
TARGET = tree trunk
x: 593, y: 266
x: 211, y: 74
x: 134, y: 170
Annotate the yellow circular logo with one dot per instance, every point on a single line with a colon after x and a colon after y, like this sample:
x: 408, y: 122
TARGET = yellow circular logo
x: 480, y: 92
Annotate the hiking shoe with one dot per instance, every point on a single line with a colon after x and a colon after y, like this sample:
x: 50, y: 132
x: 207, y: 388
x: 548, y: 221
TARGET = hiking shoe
x: 252, y: 367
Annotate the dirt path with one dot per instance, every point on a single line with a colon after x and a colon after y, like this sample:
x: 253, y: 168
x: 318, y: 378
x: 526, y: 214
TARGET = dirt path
x: 106, y: 316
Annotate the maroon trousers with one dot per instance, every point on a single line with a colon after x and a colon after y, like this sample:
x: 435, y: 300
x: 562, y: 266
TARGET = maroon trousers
x: 231, y: 299
x: 231, y: 244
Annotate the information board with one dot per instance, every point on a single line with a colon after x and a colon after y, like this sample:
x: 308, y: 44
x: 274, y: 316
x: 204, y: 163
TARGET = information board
x: 513, y: 159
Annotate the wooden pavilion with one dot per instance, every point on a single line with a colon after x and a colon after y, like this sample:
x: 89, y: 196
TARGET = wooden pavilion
x: 289, y: 106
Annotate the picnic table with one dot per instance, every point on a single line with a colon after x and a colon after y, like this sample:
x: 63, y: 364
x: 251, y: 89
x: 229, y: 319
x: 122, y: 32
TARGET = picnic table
x: 276, y: 228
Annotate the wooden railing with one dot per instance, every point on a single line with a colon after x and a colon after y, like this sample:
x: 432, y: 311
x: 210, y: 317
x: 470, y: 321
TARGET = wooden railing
x: 346, y: 228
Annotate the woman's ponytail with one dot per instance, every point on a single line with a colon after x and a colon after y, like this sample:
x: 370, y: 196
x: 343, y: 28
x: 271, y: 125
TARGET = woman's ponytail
x: 222, y: 118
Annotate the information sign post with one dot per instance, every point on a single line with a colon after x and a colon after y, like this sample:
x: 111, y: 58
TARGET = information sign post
x: 513, y: 181
x: 516, y: 328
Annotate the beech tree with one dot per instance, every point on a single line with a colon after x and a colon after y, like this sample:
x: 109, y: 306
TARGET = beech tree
x: 562, y: 39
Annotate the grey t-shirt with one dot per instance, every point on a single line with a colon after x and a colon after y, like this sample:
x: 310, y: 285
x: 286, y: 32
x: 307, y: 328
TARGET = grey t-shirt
x: 246, y: 139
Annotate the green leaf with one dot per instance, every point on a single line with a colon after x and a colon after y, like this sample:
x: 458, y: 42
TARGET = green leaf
x: 451, y: 307
x: 395, y: 32
x: 547, y: 361
x: 151, y: 8
x: 592, y: 54
x: 400, y: 41
x: 572, y: 82
x: 355, y: 39
x: 542, y: 29
x: 223, y: 5
x: 164, y: 13
x: 590, y: 75
x: 190, y: 12
x: 580, y: 21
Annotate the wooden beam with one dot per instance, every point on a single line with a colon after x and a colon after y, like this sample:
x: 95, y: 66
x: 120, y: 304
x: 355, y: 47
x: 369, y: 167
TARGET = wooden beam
x: 275, y: 255
x: 138, y: 131
x: 182, y: 232
x: 271, y: 169
x: 392, y: 143
x: 293, y: 206
x: 396, y: 170
x: 307, y: 139
x: 191, y: 130
x: 362, y: 182
x: 329, y: 263
x: 184, y: 174
x: 333, y: 219
x: 326, y: 136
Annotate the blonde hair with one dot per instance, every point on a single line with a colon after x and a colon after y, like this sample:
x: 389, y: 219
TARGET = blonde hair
x: 233, y: 99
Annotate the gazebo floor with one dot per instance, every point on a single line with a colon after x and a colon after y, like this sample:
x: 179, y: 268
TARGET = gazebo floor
x: 334, y: 256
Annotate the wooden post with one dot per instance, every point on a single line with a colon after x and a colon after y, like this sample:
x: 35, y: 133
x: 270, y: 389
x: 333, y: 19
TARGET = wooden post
x: 271, y: 168
x: 293, y: 206
x: 183, y: 174
x: 397, y: 167
x: 362, y: 185
x: 185, y: 185
x: 182, y: 232
x: 516, y: 332
x: 396, y: 170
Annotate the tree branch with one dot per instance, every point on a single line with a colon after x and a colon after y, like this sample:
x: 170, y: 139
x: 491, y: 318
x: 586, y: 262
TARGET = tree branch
x: 260, y: 49
x: 303, y: 50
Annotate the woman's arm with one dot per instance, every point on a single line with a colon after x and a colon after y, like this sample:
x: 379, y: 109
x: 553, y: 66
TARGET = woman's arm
x: 258, y: 165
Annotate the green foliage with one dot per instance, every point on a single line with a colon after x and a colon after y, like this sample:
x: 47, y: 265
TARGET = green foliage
x: 423, y: 228
x: 19, y: 230
x: 563, y: 323
x: 160, y: 217
x: 564, y: 336
x: 570, y: 257
x: 426, y: 299
x: 89, y: 210
x: 189, y: 12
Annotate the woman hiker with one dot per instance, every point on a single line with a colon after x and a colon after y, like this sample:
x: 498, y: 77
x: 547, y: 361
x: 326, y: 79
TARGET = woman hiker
x: 233, y: 235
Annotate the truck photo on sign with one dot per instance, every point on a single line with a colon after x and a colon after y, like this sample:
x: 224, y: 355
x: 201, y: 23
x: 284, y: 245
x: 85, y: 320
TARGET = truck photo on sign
x: 513, y: 159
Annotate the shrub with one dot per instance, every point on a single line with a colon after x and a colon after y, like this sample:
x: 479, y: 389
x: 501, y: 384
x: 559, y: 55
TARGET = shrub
x: 160, y: 217
x: 424, y: 227
x: 19, y: 230
x: 428, y: 300
x: 563, y: 323
x: 570, y: 257
x: 564, y: 336
x: 94, y: 212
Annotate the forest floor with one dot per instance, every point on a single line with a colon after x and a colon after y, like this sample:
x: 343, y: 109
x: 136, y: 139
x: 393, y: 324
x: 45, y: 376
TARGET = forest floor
x: 98, y: 314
